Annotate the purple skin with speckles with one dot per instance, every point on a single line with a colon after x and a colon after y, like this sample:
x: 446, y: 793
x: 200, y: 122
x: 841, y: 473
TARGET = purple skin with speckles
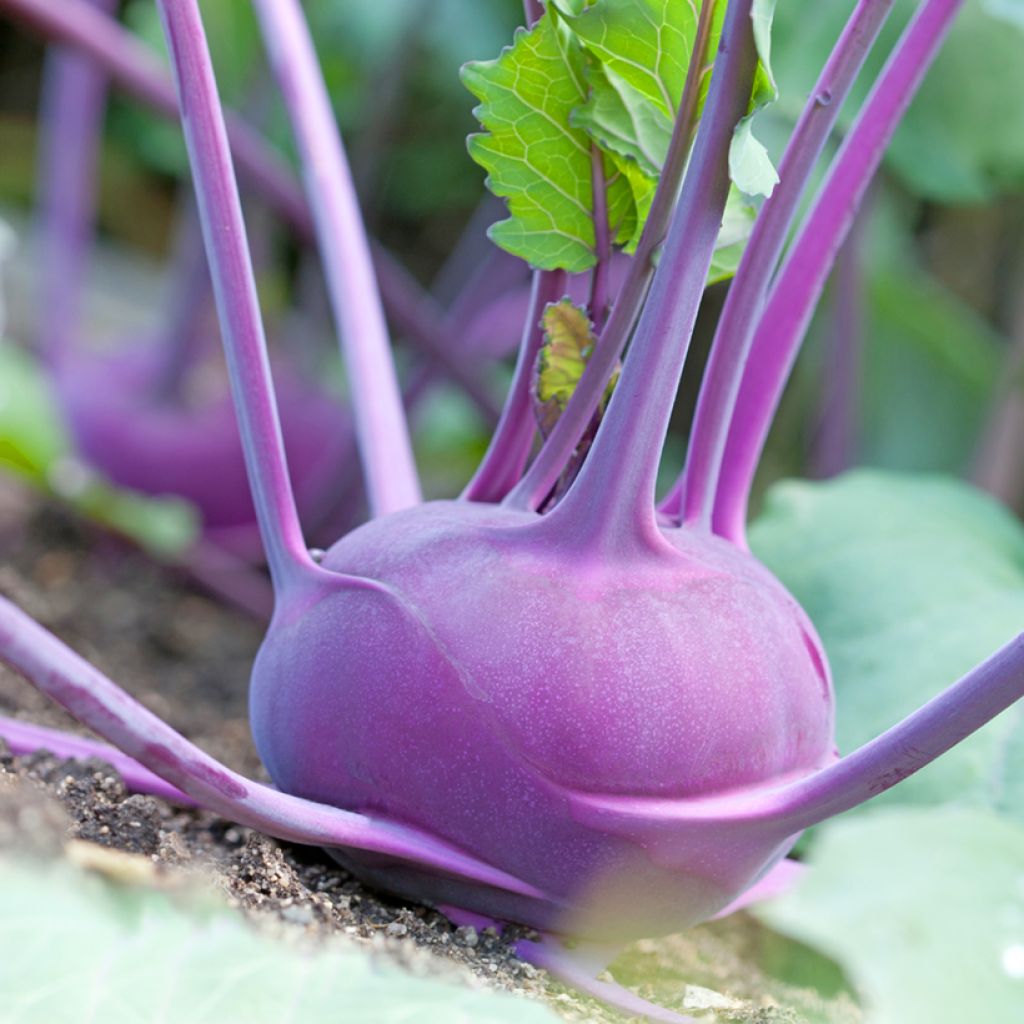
x: 606, y: 720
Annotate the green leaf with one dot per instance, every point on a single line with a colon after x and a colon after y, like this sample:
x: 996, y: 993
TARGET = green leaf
x: 534, y: 156
x: 763, y: 16
x: 750, y: 166
x: 645, y: 46
x: 624, y: 123
x: 569, y: 340
x: 166, y: 527
x: 924, y: 910
x: 910, y: 581
x: 737, y: 223
x: 31, y: 435
x: 609, y: 74
x: 35, y: 447
x: 79, y: 949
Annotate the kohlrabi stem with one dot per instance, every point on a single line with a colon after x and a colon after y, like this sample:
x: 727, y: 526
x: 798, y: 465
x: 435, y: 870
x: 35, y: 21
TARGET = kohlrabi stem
x: 133, y: 66
x: 785, y: 316
x: 599, y: 296
x: 383, y: 434
x: 502, y: 464
x: 963, y: 708
x: 74, y: 98
x: 551, y: 955
x: 181, y: 337
x: 533, y: 11
x: 25, y: 738
x: 736, y: 328
x: 611, y: 503
x: 227, y: 251
x: 834, y: 448
x: 99, y: 704
x: 579, y: 412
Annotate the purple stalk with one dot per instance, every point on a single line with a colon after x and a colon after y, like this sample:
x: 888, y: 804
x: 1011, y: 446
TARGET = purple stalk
x: 788, y: 310
x: 578, y: 414
x: 963, y: 708
x: 25, y: 738
x: 611, y: 503
x: 736, y: 328
x: 106, y: 709
x: 506, y: 455
x: 228, y: 254
x: 602, y: 242
x: 533, y: 11
x: 384, y: 446
x: 780, y: 880
x: 182, y: 339
x: 836, y: 443
x: 74, y: 98
x: 139, y: 72
x: 551, y: 955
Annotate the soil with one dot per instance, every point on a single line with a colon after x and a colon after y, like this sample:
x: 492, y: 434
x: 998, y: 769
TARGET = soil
x: 187, y: 657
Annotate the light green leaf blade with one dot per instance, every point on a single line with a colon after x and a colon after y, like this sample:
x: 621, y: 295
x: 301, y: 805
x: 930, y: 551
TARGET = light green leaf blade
x: 763, y: 16
x: 35, y: 447
x: 77, y: 949
x: 911, y: 581
x: 609, y: 74
x: 31, y: 435
x: 645, y: 44
x: 533, y: 155
x: 923, y: 909
x: 750, y: 166
x: 623, y: 122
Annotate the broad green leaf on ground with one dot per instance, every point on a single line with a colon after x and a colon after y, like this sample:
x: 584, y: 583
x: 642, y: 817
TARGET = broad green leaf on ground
x: 35, y: 447
x: 924, y: 910
x: 962, y: 139
x: 78, y: 949
x: 910, y: 581
x: 535, y: 158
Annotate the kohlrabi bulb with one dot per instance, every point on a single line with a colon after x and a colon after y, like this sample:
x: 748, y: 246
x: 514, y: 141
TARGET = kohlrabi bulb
x: 493, y: 686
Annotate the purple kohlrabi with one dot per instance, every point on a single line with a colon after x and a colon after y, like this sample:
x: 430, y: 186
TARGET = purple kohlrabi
x: 591, y: 715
